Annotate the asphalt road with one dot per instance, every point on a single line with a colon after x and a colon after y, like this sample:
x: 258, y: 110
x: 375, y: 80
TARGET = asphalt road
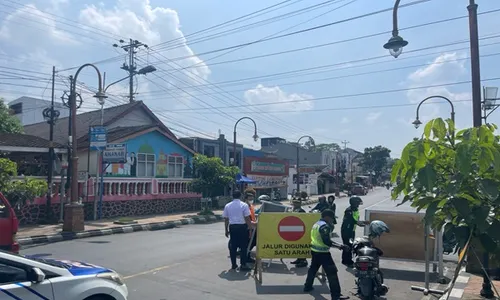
x: 192, y: 263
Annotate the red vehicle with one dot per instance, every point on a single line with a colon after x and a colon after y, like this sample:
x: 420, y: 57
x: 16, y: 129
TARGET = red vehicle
x: 8, y: 226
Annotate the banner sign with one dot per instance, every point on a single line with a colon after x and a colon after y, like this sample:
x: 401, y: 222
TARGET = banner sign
x: 98, y: 137
x: 115, y: 154
x: 267, y: 167
x: 285, y: 235
x: 268, y: 181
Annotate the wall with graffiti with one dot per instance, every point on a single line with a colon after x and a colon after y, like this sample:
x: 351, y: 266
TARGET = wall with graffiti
x: 153, y: 155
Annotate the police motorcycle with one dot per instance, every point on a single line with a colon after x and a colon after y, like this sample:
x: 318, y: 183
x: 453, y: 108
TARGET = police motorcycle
x: 369, y: 278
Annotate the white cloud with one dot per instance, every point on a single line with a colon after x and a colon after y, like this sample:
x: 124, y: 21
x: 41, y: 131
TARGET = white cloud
x: 345, y: 120
x: 261, y: 94
x: 373, y: 116
x: 440, y: 72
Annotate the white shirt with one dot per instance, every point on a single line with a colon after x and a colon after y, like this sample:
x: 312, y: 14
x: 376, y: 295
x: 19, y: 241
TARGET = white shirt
x: 236, y: 211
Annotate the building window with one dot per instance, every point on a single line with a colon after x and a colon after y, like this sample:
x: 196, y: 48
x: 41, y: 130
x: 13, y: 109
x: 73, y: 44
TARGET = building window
x: 209, y: 151
x: 16, y: 108
x: 175, y: 166
x: 146, y: 165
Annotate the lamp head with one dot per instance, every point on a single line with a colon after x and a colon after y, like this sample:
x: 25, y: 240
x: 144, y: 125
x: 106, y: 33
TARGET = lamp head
x: 417, y: 123
x: 255, y: 137
x: 395, y: 45
x: 101, y: 97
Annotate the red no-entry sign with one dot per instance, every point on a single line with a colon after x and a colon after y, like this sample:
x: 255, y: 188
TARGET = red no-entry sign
x: 291, y: 229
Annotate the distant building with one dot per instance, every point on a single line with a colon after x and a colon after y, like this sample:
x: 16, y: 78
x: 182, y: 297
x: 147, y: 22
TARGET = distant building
x: 30, y: 110
x: 220, y: 147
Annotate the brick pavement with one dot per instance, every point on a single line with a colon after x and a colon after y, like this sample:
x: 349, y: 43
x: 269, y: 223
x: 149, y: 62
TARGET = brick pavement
x: 471, y: 291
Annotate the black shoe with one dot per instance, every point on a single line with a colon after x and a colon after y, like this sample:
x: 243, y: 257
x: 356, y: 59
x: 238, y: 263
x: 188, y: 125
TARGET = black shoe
x: 294, y: 262
x: 308, y: 289
x: 245, y: 269
x: 234, y: 267
x: 341, y: 297
x: 301, y: 264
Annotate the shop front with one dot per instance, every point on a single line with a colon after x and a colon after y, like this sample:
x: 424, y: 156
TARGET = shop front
x: 270, y: 175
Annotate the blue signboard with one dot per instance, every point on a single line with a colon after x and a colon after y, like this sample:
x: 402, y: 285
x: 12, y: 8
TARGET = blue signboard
x: 98, y: 138
x: 115, y: 154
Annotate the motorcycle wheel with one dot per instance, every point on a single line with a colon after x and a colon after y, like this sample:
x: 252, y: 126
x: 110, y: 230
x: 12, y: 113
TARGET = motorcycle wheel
x: 366, y: 291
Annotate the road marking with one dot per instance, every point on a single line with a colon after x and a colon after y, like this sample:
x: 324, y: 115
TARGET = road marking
x: 151, y: 271
x: 389, y: 198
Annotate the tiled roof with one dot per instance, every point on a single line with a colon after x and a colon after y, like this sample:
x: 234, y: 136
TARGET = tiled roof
x: 116, y: 134
x: 24, y: 140
x: 87, y: 119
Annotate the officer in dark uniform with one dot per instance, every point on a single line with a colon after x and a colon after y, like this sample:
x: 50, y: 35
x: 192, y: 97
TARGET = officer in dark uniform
x: 321, y: 256
x: 322, y: 204
x: 333, y: 207
x: 297, y: 208
x: 348, y: 229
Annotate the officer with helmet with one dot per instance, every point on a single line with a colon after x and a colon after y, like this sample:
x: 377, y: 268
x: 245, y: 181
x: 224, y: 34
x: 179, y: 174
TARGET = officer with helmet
x: 348, y: 228
x: 322, y: 204
x: 321, y: 256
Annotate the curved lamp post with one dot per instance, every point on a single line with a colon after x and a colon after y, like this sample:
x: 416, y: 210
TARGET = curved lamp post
x: 417, y: 121
x: 298, y: 146
x: 396, y: 43
x: 73, y: 220
x: 255, y: 136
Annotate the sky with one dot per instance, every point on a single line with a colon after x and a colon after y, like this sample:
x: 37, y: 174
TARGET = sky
x: 334, y: 83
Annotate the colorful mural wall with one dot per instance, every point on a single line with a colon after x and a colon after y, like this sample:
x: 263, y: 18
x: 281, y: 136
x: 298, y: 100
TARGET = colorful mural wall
x: 153, y: 155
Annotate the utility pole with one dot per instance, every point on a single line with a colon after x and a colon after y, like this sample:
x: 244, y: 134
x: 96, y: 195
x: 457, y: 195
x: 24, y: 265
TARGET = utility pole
x: 345, y: 144
x: 131, y: 67
x: 50, y: 115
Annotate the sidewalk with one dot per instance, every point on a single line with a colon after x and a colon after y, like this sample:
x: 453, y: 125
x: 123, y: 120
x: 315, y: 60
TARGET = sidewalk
x: 468, y: 287
x: 42, y: 234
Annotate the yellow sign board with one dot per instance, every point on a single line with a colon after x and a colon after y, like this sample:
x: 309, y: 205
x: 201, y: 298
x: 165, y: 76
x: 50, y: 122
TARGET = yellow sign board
x: 285, y: 235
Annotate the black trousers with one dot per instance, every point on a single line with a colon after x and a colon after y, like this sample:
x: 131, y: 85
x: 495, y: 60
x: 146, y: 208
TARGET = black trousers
x: 325, y: 260
x: 238, y: 233
x: 347, y: 254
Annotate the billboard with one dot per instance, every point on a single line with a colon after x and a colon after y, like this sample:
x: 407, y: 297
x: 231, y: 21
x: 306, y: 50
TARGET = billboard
x: 265, y: 166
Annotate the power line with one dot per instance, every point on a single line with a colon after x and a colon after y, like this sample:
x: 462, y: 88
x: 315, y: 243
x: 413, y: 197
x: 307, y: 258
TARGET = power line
x: 349, y: 95
x: 318, y: 27
x: 320, y: 45
x: 346, y: 65
x: 337, y: 108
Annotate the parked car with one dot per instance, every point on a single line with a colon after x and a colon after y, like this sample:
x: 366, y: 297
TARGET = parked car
x: 9, y: 226
x: 35, y: 278
x: 358, y: 190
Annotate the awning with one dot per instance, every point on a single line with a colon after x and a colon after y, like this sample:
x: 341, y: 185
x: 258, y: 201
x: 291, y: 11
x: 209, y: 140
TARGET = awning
x: 243, y: 179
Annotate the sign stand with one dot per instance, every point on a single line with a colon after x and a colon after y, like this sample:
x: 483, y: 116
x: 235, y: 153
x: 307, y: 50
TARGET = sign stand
x: 268, y: 207
x: 113, y: 154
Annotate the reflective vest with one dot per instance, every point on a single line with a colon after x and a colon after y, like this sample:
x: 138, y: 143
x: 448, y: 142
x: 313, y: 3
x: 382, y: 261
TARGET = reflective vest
x: 355, y: 215
x: 317, y: 244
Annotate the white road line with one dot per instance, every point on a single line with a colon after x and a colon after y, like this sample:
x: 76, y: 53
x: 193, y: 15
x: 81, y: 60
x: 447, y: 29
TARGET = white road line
x: 291, y: 229
x: 382, y: 201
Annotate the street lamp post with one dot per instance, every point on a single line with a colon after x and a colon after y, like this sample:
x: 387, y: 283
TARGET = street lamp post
x: 73, y: 217
x: 490, y: 101
x: 417, y: 121
x: 255, y: 136
x: 396, y: 43
x: 298, y: 162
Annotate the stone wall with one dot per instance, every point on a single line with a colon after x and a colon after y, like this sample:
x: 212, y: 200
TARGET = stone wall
x: 36, y: 214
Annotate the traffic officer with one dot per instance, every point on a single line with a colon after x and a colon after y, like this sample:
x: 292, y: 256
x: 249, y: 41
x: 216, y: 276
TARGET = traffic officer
x: 321, y: 257
x: 348, y: 228
x: 322, y: 204
x: 297, y: 208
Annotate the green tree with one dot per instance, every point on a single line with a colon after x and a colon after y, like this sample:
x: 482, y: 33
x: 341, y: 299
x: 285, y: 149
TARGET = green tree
x: 456, y: 179
x: 8, y: 122
x: 375, y: 159
x: 18, y: 192
x: 327, y: 147
x: 211, y: 175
